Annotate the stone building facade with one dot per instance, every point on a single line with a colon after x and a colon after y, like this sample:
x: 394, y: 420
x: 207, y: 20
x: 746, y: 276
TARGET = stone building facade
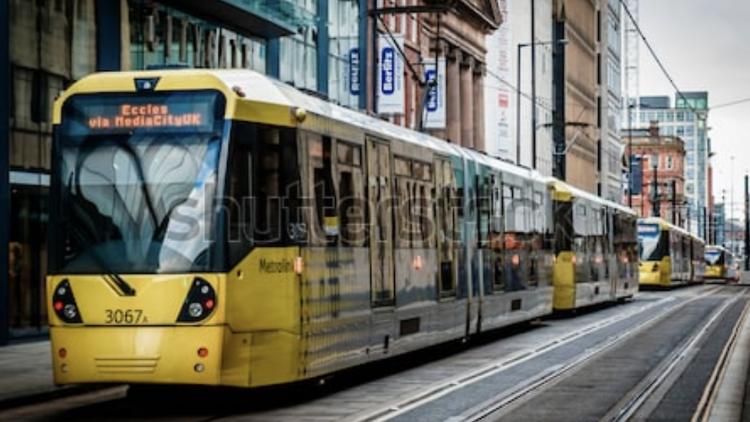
x: 662, y: 183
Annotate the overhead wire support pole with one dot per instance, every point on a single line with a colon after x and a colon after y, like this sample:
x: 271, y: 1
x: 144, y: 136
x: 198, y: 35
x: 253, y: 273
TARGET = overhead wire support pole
x: 533, y: 85
x: 630, y: 157
x: 747, y: 224
x: 518, y: 105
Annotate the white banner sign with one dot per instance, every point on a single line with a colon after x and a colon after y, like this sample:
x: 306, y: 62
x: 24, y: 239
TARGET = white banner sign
x: 434, y: 108
x: 390, y: 75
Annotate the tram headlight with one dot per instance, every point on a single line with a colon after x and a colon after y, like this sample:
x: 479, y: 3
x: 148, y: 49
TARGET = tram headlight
x: 195, y: 310
x: 64, y: 304
x: 70, y: 311
x: 199, y: 302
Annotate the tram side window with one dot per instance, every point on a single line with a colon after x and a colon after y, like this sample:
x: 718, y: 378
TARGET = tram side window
x: 325, y: 193
x: 352, y: 208
x: 277, y: 185
x: 403, y: 202
x: 446, y: 232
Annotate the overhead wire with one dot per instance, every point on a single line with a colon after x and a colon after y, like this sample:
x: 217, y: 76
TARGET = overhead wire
x: 637, y: 27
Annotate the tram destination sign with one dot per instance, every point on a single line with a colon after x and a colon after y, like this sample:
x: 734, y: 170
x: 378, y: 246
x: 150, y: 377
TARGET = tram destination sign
x: 123, y: 114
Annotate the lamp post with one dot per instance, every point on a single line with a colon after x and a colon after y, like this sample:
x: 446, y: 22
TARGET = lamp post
x: 655, y: 205
x: 747, y: 222
x: 533, y: 100
x: 630, y: 157
x: 732, y: 246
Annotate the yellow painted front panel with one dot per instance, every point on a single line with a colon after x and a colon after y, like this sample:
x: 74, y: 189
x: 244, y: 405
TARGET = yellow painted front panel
x: 715, y: 271
x: 235, y: 364
x: 158, y: 299
x: 660, y: 277
x: 274, y: 358
x: 178, y: 80
x: 563, y: 274
x: 263, y: 312
x: 136, y: 354
x: 265, y: 294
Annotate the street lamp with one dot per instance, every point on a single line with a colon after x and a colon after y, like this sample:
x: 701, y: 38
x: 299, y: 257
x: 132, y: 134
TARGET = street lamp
x: 731, y: 206
x: 630, y: 155
x: 655, y: 204
x: 533, y: 101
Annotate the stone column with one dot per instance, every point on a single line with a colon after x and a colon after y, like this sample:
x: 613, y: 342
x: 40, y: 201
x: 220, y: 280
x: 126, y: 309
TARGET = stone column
x: 467, y: 103
x: 453, y: 96
x: 479, y: 141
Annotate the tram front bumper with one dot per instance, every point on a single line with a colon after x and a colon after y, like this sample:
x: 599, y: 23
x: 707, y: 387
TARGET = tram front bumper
x: 117, y: 354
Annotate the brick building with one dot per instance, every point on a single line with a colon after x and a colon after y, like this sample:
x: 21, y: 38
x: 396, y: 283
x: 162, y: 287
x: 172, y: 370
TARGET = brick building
x: 657, y: 185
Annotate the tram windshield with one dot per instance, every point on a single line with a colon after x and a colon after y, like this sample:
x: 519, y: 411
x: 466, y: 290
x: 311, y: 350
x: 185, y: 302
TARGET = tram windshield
x: 653, y: 243
x: 137, y: 180
x: 714, y: 257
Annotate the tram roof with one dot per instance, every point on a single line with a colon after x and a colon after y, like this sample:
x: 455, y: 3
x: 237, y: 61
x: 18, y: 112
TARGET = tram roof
x: 580, y: 193
x: 666, y: 225
x: 263, y: 89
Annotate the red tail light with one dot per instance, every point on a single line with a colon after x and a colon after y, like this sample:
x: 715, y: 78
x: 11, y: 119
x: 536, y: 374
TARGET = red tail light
x: 64, y: 303
x: 199, y: 303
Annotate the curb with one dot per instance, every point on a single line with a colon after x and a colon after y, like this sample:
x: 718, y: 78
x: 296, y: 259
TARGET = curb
x: 48, y: 394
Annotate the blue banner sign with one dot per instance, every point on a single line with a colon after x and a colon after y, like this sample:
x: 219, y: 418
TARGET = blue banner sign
x: 432, y: 98
x: 354, y: 71
x: 387, y: 76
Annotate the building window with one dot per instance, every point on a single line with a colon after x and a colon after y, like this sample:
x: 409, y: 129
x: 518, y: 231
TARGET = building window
x: 299, y: 59
x: 670, y: 162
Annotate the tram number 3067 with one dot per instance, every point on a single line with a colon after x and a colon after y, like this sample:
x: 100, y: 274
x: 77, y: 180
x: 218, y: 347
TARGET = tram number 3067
x: 124, y: 316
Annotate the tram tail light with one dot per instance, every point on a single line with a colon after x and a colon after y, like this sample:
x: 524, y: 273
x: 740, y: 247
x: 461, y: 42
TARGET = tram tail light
x: 199, y: 302
x: 64, y: 303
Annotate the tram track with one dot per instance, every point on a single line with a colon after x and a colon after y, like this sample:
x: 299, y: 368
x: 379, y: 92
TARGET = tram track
x: 651, y: 397
x: 380, y: 400
x: 501, y: 404
x: 647, y: 395
x: 545, y: 378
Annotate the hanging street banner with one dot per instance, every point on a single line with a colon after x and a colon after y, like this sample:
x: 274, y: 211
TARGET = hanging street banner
x: 635, y: 178
x: 353, y: 62
x: 434, y: 110
x: 390, y: 75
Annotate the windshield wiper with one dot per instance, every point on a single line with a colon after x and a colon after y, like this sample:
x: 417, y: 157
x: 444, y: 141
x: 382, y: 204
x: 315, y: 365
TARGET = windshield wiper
x: 109, y: 274
x: 126, y: 289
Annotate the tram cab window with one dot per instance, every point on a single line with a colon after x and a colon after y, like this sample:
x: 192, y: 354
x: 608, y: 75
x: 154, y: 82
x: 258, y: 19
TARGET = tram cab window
x: 262, y: 201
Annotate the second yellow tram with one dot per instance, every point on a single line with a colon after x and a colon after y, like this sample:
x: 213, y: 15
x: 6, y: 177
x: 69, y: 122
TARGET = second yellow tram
x: 668, y: 255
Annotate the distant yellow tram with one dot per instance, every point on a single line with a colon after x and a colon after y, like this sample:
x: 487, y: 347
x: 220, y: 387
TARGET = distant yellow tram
x: 668, y: 255
x: 720, y: 265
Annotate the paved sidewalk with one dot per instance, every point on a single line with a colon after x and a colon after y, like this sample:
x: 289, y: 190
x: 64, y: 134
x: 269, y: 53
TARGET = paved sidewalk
x: 26, y: 374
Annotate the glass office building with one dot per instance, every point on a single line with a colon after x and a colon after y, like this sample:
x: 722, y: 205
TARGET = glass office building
x: 687, y: 119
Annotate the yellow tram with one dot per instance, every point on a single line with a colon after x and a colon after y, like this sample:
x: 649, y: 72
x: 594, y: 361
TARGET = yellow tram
x: 218, y: 227
x: 668, y: 255
x: 223, y: 228
x: 720, y: 265
x: 596, y: 249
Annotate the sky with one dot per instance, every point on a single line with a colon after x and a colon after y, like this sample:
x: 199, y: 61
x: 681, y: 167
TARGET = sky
x: 704, y: 45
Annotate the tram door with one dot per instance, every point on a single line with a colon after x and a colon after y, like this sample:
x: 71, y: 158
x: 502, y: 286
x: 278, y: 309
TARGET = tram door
x: 381, y: 223
x: 447, y: 215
